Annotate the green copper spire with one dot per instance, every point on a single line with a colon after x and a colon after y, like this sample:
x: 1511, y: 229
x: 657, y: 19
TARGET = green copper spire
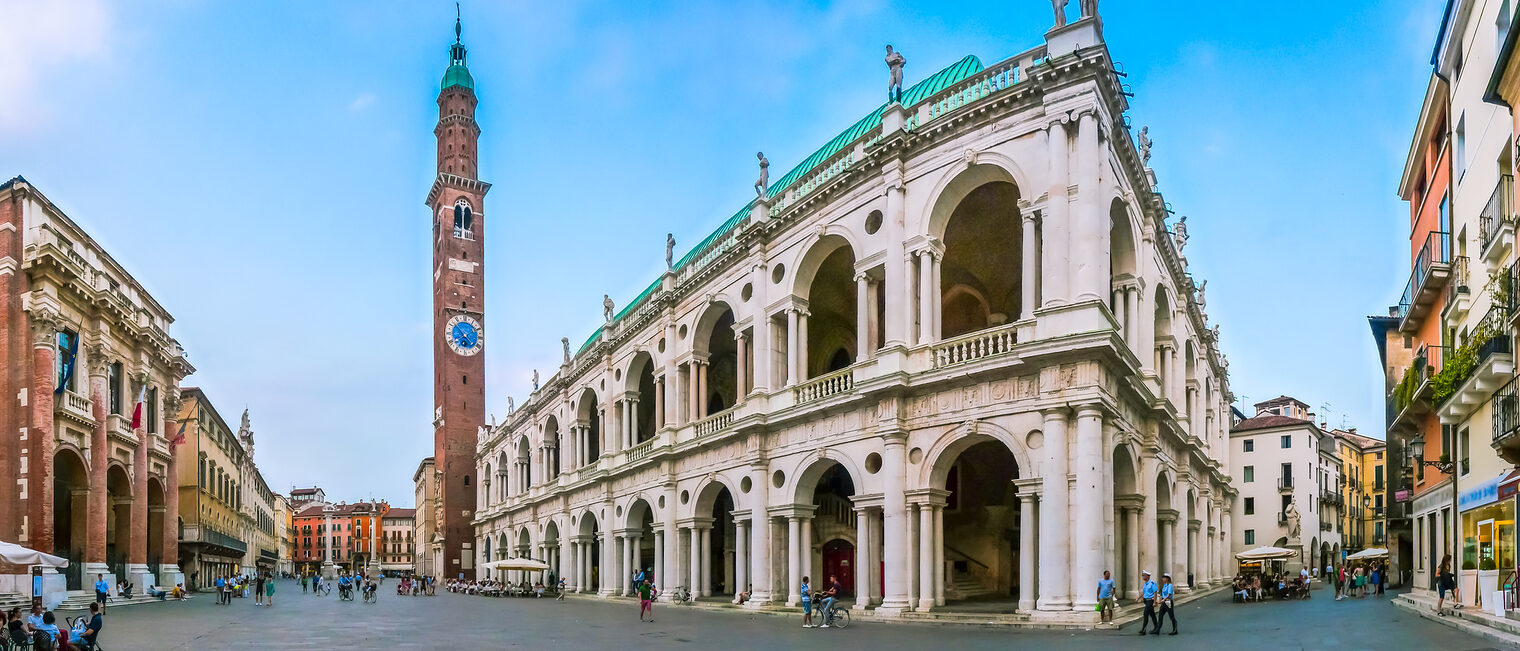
x: 457, y: 74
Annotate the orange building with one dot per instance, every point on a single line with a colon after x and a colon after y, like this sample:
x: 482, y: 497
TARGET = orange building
x: 354, y: 534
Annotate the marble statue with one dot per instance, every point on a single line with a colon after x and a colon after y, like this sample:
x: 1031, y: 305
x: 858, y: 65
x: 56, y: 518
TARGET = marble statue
x: 535, y: 379
x: 564, y: 344
x: 1060, y: 7
x: 670, y: 250
x: 895, y: 63
x: 765, y: 175
x: 1145, y: 145
x: 510, y: 407
x: 1293, y: 521
x: 1180, y: 234
x: 1216, y: 332
x: 607, y: 308
x: 1089, y: 8
x: 1201, y: 302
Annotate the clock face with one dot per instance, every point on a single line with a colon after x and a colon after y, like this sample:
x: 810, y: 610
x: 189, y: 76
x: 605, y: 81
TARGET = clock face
x: 463, y: 334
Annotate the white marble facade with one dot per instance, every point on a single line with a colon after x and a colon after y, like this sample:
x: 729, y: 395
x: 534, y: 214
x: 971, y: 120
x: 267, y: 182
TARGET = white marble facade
x: 1028, y: 382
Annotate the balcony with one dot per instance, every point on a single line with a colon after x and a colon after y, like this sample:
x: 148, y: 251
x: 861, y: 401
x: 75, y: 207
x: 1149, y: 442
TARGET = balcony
x: 1506, y: 421
x: 74, y: 406
x: 1324, y: 526
x: 1432, y: 268
x: 1477, y: 368
x: 224, y: 544
x: 1330, y: 497
x: 1282, y: 518
x: 1496, y: 224
x: 1461, y: 295
x: 1285, y: 485
x: 1411, y: 399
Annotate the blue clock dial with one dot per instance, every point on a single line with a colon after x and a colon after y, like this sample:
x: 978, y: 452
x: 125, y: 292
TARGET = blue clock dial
x: 464, y: 335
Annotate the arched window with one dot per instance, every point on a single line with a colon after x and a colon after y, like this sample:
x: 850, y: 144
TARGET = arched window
x: 464, y: 221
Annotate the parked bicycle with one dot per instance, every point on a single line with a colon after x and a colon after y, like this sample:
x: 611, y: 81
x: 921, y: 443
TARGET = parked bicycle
x: 683, y: 596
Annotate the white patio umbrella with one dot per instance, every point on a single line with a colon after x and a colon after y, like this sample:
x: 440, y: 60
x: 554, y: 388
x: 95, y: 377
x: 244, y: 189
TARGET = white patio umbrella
x: 1266, y: 554
x: 1375, y: 552
x: 18, y: 555
x: 527, y: 564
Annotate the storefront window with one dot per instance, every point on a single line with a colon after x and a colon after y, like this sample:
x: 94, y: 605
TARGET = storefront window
x: 1488, y: 537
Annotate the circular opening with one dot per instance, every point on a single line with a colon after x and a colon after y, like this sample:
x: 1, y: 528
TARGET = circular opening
x: 778, y: 273
x: 744, y: 485
x: 916, y: 455
x: 778, y: 479
x: 681, y: 332
x: 620, y: 511
x: 685, y: 496
x: 748, y: 291
x: 662, y: 501
x: 662, y: 344
x: 618, y: 374
x: 873, y: 222
x: 602, y: 385
x: 873, y: 462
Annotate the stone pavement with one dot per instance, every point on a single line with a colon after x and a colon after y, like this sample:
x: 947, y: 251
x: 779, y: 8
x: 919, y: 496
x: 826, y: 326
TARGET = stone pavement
x: 302, y: 621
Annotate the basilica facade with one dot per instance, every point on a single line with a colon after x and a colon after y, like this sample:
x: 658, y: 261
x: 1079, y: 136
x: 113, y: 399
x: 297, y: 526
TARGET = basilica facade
x: 955, y: 353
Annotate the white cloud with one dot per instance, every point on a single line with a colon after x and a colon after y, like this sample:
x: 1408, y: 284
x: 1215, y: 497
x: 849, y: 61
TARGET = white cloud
x: 361, y: 102
x: 44, y: 36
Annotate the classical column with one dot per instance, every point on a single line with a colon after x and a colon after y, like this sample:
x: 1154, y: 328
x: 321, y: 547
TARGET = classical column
x: 169, y: 566
x: 873, y: 555
x: 939, y: 554
x: 895, y: 523
x: 761, y: 572
x: 793, y: 559
x: 659, y: 402
x: 873, y: 319
x: 694, y: 558
x: 863, y: 310
x: 741, y: 343
x: 913, y: 566
x: 95, y: 536
x: 659, y: 556
x: 702, y: 388
x: 39, y: 456
x: 741, y: 557
x: 573, y: 573
x: 1164, y: 532
x: 935, y: 283
x: 1150, y: 548
x: 1028, y: 267
x: 632, y: 414
x: 802, y: 345
x: 137, y: 541
x: 1131, y: 330
x: 1088, y: 530
x: 1178, y: 560
x: 863, y: 569
x: 806, y: 549
x: 1088, y: 238
x: 899, y: 315
x: 1192, y: 555
x: 1055, y: 564
x: 925, y: 296
x: 792, y: 374
x: 1132, y: 552
x: 1027, y: 507
x: 630, y: 543
x: 670, y: 536
x: 693, y: 390
x: 925, y: 558
x: 1173, y: 380
x: 1054, y: 267
x: 705, y: 535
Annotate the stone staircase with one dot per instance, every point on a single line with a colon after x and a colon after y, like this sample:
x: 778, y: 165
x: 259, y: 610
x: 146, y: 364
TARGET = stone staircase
x: 1468, y: 620
x: 963, y: 586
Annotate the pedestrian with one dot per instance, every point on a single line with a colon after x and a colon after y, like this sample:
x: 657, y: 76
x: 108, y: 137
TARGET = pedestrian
x: 1375, y: 580
x: 1446, y: 582
x: 1167, y: 609
x: 258, y: 591
x: 647, y: 593
x: 269, y: 592
x: 1105, y: 598
x: 221, y: 589
x: 102, y: 588
x: 303, y: 584
x: 807, y: 604
x: 1339, y: 575
x: 1382, y: 577
x: 1148, y: 595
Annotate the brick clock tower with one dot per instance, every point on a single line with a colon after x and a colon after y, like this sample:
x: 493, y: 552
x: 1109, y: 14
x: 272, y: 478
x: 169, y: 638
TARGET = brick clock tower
x: 457, y: 200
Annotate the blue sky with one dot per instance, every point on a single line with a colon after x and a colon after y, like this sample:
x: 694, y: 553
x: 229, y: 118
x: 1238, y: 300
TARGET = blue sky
x: 261, y: 167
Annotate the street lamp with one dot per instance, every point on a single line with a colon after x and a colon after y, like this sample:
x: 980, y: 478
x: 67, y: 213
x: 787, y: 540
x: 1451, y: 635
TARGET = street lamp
x: 1417, y: 452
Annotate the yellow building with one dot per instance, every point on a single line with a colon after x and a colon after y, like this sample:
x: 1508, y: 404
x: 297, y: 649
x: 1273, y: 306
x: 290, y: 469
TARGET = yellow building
x: 210, y: 495
x: 1364, y: 487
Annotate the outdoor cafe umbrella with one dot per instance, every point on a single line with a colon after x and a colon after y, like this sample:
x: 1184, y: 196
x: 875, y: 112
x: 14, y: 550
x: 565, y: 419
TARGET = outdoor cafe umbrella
x: 1375, y: 552
x: 18, y: 555
x: 1266, y: 554
x: 526, y: 564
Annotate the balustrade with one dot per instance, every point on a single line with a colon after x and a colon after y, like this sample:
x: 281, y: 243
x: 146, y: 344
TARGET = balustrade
x: 975, y: 346
x: 824, y: 386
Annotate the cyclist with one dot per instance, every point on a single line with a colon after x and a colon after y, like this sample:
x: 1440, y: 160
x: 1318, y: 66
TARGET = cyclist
x: 829, y: 595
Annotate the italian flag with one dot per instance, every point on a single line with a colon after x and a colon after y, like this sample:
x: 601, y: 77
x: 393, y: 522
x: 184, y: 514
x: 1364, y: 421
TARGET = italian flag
x: 137, y: 411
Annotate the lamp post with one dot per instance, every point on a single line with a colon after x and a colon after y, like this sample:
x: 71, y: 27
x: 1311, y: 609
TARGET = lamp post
x: 1417, y: 452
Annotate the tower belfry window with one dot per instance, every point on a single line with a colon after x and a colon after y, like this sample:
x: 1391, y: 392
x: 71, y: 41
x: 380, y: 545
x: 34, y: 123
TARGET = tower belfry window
x: 464, y: 221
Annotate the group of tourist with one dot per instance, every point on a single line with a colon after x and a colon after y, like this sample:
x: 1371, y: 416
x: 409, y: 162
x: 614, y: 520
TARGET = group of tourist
x: 1359, y: 579
x: 1277, y: 585
x: 494, y: 588
x: 40, y: 631
x: 415, y: 586
x: 238, y: 585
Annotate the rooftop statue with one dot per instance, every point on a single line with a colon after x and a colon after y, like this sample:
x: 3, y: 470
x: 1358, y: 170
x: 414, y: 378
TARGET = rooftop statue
x: 670, y: 252
x: 1089, y: 8
x: 607, y: 308
x: 765, y: 176
x: 1145, y: 145
x: 895, y: 63
x: 1060, y: 7
x: 564, y: 343
x: 1180, y: 234
x: 535, y: 379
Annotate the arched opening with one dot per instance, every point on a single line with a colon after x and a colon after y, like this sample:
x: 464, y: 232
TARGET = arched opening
x: 553, y: 554
x: 717, y: 551
x: 552, y: 445
x: 641, y: 520
x: 1165, y: 348
x: 1166, y: 522
x: 486, y: 497
x: 718, y: 379
x: 156, y: 515
x: 1127, y: 506
x: 1189, y: 541
x: 71, y: 484
x: 589, y: 575
x: 831, y: 323
x: 981, y: 522
x: 590, y: 416
x: 503, y: 478
x: 524, y: 465
x: 641, y: 383
x: 979, y: 282
x: 502, y: 546
x: 119, y: 518
x: 830, y: 549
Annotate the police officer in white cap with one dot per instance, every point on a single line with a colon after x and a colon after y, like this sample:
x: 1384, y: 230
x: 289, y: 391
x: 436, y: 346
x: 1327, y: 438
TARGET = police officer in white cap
x: 1167, y: 610
x: 1149, y: 595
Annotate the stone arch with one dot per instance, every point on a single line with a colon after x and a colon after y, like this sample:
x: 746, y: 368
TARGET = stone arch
x: 1123, y: 247
x: 707, y: 491
x: 119, y: 516
x: 638, y: 379
x: 952, y: 442
x: 958, y: 181
x: 1126, y: 469
x: 556, y: 445
x: 980, y: 283
x: 71, y: 476
x: 588, y: 413
x: 806, y: 472
x: 713, y: 337
x: 825, y: 282
x: 502, y: 545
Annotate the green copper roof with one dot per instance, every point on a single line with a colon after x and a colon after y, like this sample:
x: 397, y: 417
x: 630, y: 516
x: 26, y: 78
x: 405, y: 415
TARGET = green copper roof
x: 871, y: 123
x: 458, y: 75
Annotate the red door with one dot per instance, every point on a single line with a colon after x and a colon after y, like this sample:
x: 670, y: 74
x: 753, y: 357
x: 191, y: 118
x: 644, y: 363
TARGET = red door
x: 838, y: 562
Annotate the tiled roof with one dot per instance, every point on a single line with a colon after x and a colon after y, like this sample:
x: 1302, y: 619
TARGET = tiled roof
x: 401, y: 513
x: 1268, y: 421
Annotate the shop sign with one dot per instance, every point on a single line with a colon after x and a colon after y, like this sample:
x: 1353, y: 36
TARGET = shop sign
x: 1401, y: 496
x: 1479, y: 495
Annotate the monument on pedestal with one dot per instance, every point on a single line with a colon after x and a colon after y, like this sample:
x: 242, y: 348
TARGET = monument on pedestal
x: 329, y: 571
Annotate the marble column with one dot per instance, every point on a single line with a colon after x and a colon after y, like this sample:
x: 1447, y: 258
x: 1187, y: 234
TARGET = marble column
x: 1055, y: 270
x: 1087, y: 526
x: 899, y: 282
x: 630, y: 559
x: 1088, y: 245
x: 805, y: 550
x: 863, y: 569
x: 1055, y: 563
x: 1192, y: 556
x: 659, y: 558
x: 1027, y: 538
x: 793, y: 374
x: 802, y: 345
x: 1150, y: 547
x: 925, y: 296
x: 761, y: 572
x: 939, y: 554
x: 705, y: 535
x: 694, y: 561
x: 95, y: 535
x: 1029, y: 267
x: 1132, y: 328
x: 925, y: 558
x: 1132, y: 552
x: 659, y: 401
x: 741, y: 342
x: 741, y: 557
x: 895, y: 523
x: 793, y: 559
x: 863, y: 310
x: 702, y: 389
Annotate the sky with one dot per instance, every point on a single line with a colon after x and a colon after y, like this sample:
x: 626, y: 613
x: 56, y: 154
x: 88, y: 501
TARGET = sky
x: 261, y: 169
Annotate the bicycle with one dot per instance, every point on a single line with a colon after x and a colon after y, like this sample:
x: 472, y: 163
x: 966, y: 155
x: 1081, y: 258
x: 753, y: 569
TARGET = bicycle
x: 371, y: 596
x: 682, y: 595
x: 838, y: 617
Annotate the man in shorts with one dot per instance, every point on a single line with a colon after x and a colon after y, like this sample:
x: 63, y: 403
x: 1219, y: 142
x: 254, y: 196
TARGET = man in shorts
x: 1106, y: 598
x: 647, y: 593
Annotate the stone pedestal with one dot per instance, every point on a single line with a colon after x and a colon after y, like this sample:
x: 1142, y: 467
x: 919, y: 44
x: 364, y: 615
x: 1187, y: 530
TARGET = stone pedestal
x: 140, y: 577
x: 1073, y: 36
x: 329, y: 571
x: 170, y: 576
x: 93, y: 572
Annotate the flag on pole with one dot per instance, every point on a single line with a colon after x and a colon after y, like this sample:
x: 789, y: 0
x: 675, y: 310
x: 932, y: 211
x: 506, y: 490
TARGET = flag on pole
x: 137, y: 411
x: 68, y: 358
x: 178, y: 439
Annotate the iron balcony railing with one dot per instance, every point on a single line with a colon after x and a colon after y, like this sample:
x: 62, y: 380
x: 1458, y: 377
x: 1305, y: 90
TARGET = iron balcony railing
x: 1285, y: 483
x: 1498, y: 213
x: 1506, y: 421
x: 1460, y: 275
x: 1436, y: 250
